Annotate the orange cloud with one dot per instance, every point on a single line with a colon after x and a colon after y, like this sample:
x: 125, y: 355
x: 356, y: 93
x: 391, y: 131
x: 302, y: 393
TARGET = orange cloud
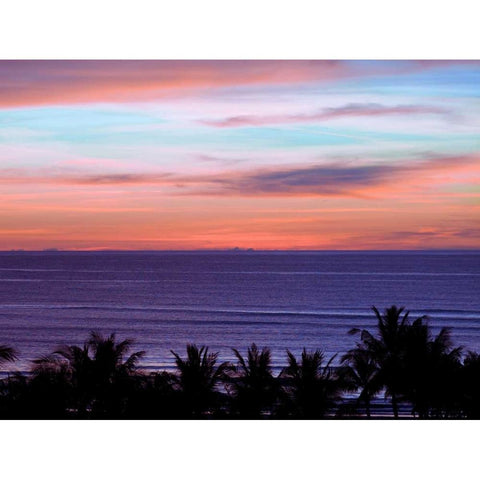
x: 72, y: 81
x: 359, y: 179
x: 43, y: 82
x: 409, y: 204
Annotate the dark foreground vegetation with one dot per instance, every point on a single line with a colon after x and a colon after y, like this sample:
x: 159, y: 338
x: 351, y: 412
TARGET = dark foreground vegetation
x: 400, y: 361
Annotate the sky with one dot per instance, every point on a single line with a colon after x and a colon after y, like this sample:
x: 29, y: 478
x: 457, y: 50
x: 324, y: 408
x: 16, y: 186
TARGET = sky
x: 178, y: 155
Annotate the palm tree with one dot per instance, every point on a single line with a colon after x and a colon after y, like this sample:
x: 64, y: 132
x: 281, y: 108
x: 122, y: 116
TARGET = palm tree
x: 15, y: 397
x: 109, y: 360
x: 112, y: 371
x: 81, y: 374
x: 386, y: 349
x: 445, y: 365
x: 359, y: 372
x: 50, y: 391
x: 312, y: 388
x: 98, y: 374
x: 470, y: 385
x: 199, y: 376
x: 7, y: 354
x: 253, y: 385
x: 428, y: 364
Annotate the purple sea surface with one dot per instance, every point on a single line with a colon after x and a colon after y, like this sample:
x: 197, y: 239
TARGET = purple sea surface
x: 228, y: 299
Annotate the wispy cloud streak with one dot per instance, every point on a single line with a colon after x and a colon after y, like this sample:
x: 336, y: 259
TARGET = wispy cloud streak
x: 336, y: 178
x: 350, y: 110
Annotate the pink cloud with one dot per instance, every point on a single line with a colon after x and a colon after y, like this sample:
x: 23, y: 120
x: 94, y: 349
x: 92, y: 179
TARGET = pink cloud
x: 350, y: 110
x: 43, y: 82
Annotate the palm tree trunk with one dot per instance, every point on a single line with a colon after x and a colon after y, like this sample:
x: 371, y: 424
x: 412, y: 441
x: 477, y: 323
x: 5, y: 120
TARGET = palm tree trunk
x: 367, y: 407
x: 395, y: 405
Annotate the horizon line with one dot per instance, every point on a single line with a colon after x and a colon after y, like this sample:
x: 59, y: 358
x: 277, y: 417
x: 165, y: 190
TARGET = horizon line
x: 236, y: 250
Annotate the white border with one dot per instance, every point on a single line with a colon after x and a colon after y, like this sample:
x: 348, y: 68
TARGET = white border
x: 220, y: 29
x: 248, y: 29
x: 241, y: 450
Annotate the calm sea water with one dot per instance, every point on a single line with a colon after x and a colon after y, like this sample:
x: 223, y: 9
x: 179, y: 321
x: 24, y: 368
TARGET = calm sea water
x: 228, y: 299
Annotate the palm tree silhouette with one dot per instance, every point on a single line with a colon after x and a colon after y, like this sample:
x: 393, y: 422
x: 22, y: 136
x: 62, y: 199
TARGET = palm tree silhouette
x: 386, y: 348
x: 7, y: 354
x: 253, y: 385
x: 112, y: 371
x: 81, y: 375
x: 98, y: 374
x: 312, y: 388
x: 470, y: 385
x: 198, y: 378
x: 49, y: 391
x: 359, y: 372
x: 431, y: 369
x: 109, y: 357
x: 101, y: 379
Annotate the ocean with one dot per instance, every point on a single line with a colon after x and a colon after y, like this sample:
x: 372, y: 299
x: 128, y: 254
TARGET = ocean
x: 226, y: 299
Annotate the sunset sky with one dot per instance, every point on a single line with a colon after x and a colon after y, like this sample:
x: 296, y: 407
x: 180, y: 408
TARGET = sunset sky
x: 254, y: 154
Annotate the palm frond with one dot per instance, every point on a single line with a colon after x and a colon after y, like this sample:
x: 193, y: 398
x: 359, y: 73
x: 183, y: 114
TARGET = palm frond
x: 7, y: 354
